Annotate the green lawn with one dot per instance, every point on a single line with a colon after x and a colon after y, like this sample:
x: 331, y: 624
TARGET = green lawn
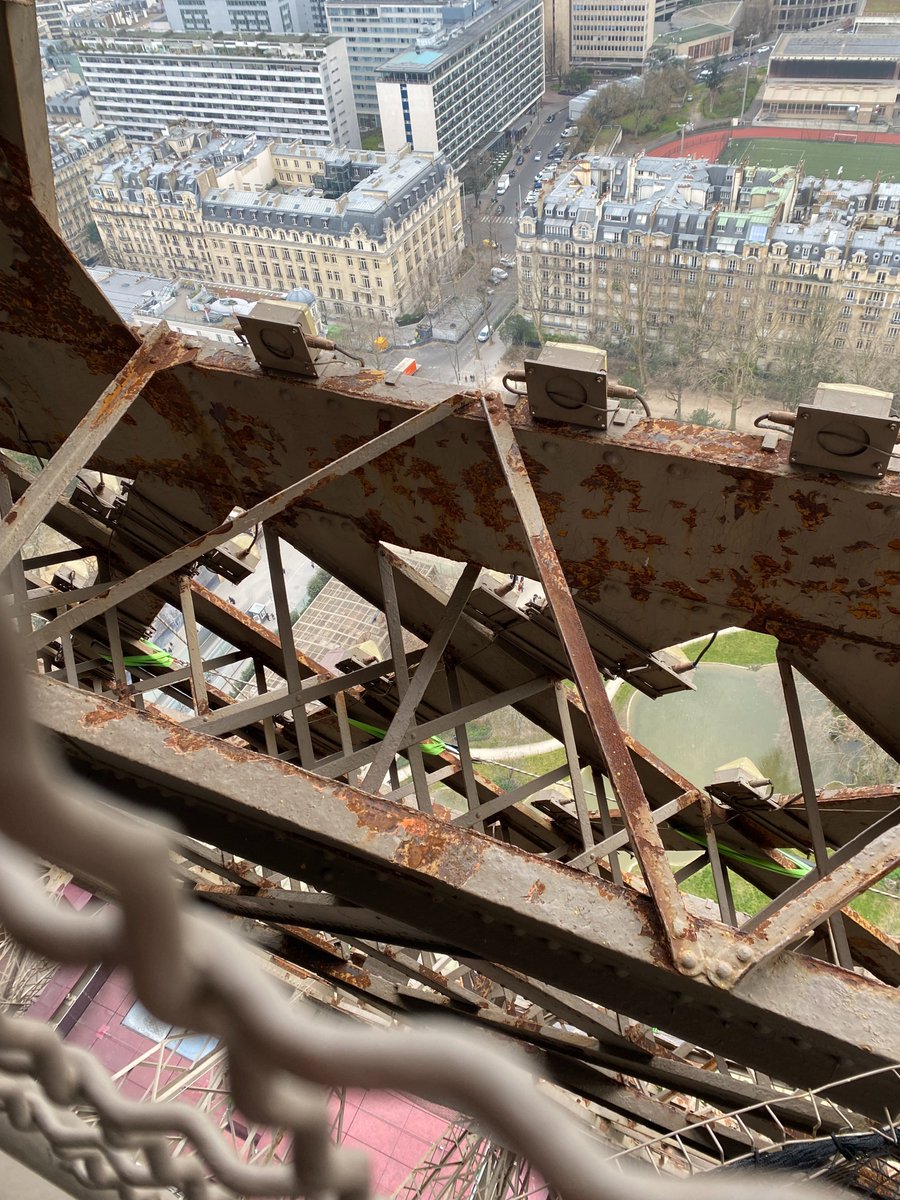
x: 741, y: 648
x: 373, y: 140
x: 860, y: 160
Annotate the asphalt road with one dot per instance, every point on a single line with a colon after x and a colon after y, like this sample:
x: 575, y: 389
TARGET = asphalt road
x: 492, y: 220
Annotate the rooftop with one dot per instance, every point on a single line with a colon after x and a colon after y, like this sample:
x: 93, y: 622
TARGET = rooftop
x: 693, y: 33
x: 221, y: 45
x: 429, y: 53
x: 826, y: 43
x: 880, y: 8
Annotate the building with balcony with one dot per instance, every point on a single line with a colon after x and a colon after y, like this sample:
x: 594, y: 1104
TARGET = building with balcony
x: 75, y: 152
x: 371, y: 234
x: 835, y: 78
x: 450, y: 92
x: 626, y: 250
x: 278, y: 86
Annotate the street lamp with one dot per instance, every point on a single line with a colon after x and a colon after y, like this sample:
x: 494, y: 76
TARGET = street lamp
x: 750, y: 39
x: 684, y: 126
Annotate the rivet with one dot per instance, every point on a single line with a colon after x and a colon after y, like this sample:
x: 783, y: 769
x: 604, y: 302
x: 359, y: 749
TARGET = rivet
x: 723, y: 970
x: 679, y: 927
x: 622, y: 972
x: 585, y: 958
x: 744, y: 953
x: 551, y: 945
x: 612, y: 458
x: 675, y: 469
x: 688, y: 960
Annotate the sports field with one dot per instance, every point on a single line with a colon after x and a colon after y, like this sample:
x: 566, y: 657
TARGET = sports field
x: 860, y: 160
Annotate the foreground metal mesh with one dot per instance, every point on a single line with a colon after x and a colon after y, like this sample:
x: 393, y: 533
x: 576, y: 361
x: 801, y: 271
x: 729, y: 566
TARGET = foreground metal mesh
x: 867, y: 1163
x: 190, y: 971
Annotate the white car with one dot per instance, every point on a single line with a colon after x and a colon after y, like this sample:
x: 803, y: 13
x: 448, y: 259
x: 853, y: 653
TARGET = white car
x: 570, y: 132
x: 537, y: 157
x: 484, y: 333
x: 507, y: 262
x: 498, y: 274
x: 531, y: 198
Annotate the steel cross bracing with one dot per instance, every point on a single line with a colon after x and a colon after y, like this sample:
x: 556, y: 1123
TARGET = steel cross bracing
x: 641, y: 541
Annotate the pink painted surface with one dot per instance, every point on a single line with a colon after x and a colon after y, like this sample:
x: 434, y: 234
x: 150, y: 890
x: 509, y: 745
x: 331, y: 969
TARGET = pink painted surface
x: 395, y: 1131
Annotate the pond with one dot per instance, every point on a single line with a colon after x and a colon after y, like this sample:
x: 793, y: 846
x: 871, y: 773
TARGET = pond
x: 735, y: 712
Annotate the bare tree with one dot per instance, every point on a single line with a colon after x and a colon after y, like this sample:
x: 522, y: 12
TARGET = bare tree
x: 806, y: 355
x: 741, y: 323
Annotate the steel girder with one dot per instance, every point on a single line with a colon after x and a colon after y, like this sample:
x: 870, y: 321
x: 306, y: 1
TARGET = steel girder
x: 792, y: 1016
x: 668, y: 531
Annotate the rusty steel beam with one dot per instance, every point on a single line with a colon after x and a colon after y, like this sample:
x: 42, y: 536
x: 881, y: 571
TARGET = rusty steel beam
x: 792, y: 1017
x: 353, y: 460
x: 645, y: 838
x: 858, y: 865
x: 657, y: 573
x: 405, y: 715
x: 160, y: 350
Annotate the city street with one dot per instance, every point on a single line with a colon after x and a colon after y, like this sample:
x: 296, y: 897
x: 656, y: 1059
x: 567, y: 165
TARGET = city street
x: 492, y: 220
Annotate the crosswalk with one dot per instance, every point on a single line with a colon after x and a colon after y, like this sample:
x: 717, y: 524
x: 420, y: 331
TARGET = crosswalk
x: 503, y: 221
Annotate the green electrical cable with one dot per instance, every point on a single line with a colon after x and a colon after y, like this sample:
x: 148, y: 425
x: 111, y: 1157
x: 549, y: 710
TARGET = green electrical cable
x: 432, y: 745
x: 156, y: 658
x: 749, y: 860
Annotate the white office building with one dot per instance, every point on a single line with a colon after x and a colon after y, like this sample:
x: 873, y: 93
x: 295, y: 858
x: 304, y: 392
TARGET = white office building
x: 376, y: 32
x: 246, y: 16
x: 286, y: 87
x: 610, y: 35
x: 451, y: 92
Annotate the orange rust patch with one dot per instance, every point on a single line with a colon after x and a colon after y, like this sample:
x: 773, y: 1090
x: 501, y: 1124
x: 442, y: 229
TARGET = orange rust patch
x: 812, y: 511
x: 610, y: 483
x: 536, y: 890
x: 101, y: 715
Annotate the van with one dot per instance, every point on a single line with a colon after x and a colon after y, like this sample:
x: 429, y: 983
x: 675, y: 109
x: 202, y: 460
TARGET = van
x: 502, y: 184
x: 484, y: 333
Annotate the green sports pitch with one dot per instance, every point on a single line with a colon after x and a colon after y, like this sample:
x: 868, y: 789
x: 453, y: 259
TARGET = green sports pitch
x: 860, y: 160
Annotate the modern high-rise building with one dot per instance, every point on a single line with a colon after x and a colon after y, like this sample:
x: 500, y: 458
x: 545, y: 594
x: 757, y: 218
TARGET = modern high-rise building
x: 377, y: 31
x: 246, y: 16
x: 451, y: 92
x: 287, y: 87
x: 609, y: 35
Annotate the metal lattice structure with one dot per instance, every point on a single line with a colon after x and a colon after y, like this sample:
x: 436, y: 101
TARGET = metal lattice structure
x: 661, y: 1016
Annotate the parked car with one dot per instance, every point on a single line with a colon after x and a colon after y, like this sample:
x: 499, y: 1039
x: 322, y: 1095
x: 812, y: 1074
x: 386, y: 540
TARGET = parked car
x: 520, y: 160
x: 498, y: 275
x: 570, y: 131
x: 538, y: 156
x: 532, y: 197
x: 484, y: 333
x: 507, y: 262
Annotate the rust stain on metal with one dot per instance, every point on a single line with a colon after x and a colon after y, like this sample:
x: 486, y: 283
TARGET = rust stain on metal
x: 752, y: 491
x: 812, y: 510
x: 101, y: 716
x: 639, y: 540
x: 611, y: 483
x: 536, y: 891
x: 485, y: 485
x: 678, y: 588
